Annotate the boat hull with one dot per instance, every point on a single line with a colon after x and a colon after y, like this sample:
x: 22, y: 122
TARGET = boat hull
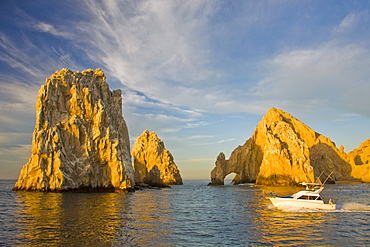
x: 283, y: 203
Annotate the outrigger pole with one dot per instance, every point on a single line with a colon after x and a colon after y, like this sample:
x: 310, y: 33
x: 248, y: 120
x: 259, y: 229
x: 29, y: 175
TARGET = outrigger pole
x: 327, y: 177
x: 318, y: 181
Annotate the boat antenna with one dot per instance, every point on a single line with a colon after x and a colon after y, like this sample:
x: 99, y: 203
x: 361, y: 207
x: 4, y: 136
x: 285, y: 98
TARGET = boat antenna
x: 327, y: 177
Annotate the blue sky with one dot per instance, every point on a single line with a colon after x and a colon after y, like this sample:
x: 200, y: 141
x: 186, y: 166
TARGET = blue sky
x: 201, y: 74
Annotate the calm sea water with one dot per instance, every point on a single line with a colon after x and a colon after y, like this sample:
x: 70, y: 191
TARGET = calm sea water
x: 189, y: 215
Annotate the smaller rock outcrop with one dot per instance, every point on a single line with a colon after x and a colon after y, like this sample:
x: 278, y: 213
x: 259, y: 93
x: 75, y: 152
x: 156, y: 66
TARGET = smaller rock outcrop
x: 153, y: 164
x: 360, y: 162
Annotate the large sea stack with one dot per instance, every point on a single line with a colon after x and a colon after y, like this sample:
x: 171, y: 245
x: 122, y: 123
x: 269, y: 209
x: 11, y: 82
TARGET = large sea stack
x: 284, y: 151
x: 154, y: 165
x: 80, y: 141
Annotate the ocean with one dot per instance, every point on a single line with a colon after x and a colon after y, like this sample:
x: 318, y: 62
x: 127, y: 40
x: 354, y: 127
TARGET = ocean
x: 192, y: 214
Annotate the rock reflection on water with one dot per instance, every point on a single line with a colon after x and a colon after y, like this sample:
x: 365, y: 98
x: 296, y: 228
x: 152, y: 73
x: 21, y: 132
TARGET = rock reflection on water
x: 150, y: 215
x: 71, y: 219
x: 92, y: 219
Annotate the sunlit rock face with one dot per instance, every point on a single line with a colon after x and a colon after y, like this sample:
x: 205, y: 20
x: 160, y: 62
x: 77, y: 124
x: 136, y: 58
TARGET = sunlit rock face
x: 282, y: 151
x: 360, y: 161
x: 80, y: 141
x: 153, y: 164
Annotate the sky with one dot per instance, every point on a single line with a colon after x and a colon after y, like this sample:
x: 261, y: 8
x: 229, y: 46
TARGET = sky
x: 201, y: 74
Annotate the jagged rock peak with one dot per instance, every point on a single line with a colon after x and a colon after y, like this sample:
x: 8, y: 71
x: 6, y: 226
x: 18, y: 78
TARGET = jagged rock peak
x: 283, y: 151
x: 153, y: 164
x: 80, y: 141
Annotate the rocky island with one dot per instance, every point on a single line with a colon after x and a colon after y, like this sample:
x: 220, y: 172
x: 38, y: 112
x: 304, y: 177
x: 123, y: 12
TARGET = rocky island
x: 80, y: 141
x: 153, y: 164
x: 284, y: 151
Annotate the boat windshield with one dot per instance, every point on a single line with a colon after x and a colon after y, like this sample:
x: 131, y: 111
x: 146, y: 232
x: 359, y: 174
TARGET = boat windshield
x: 306, y: 197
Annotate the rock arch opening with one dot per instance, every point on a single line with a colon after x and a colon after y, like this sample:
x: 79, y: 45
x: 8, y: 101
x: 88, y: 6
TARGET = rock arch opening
x: 232, y: 178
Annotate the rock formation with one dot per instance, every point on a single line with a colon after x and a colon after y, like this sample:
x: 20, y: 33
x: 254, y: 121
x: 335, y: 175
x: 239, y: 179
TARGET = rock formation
x: 360, y: 162
x: 153, y: 164
x: 80, y: 141
x: 283, y: 151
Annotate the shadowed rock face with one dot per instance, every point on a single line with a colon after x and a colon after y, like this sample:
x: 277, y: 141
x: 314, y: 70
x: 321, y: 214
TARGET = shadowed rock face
x: 153, y: 164
x: 282, y: 151
x: 80, y: 141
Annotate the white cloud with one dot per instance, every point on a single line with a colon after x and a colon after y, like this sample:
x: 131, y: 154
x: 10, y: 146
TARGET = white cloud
x: 226, y: 140
x: 48, y: 28
x: 328, y: 76
x: 32, y: 60
x: 196, y: 124
x: 25, y: 20
x: 15, y: 57
x: 170, y: 130
x: 162, y: 118
x: 20, y: 151
x: 350, y: 22
x: 12, y: 158
x: 134, y: 99
x: 158, y: 48
x: 8, y: 139
x: 200, y: 137
x: 346, y: 117
x: 17, y: 111
x: 148, y: 41
x: 214, y: 142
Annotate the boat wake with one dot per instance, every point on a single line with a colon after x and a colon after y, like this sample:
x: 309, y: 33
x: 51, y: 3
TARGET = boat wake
x: 354, y: 207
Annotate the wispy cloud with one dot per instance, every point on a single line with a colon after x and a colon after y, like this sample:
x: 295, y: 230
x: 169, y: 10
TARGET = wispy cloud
x: 200, y: 137
x: 328, y: 76
x: 350, y: 22
x: 17, y: 106
x: 29, y: 22
x: 13, y: 156
x: 226, y: 140
x: 148, y: 40
x: 215, y: 142
x: 196, y: 124
x: 49, y: 28
x: 138, y: 100
x: 12, y: 54
x: 158, y: 48
x: 162, y: 117
x: 33, y: 60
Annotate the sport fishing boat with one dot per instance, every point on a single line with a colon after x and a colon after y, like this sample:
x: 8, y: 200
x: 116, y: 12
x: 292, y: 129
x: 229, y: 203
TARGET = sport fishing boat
x: 307, y: 199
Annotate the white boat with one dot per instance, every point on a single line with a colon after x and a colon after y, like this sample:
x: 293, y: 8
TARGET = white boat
x: 307, y: 199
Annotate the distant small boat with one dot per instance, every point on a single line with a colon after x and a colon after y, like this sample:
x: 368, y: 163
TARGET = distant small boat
x: 309, y: 198
x: 246, y: 184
